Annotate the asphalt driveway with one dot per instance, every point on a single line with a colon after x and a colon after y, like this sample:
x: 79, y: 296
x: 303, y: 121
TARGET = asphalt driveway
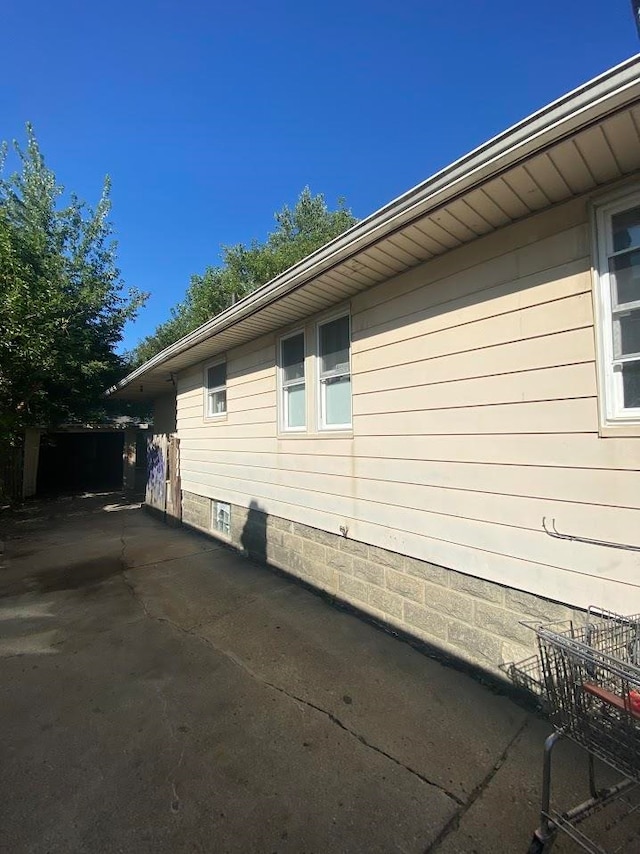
x: 159, y: 692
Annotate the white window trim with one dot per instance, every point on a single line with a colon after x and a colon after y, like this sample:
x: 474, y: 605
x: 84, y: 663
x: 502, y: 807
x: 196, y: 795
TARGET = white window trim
x: 282, y: 386
x: 215, y: 504
x: 612, y: 411
x: 214, y: 416
x: 320, y: 386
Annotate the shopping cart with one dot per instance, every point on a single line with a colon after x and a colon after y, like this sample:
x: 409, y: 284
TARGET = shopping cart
x: 588, y: 681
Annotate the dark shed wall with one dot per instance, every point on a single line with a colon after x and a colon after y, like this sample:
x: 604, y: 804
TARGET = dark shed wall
x: 72, y: 462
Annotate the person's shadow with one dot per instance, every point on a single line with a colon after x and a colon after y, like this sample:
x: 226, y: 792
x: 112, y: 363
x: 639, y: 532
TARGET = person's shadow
x: 254, y: 533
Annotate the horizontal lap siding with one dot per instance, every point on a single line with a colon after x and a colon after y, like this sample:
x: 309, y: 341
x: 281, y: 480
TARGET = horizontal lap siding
x: 536, y: 321
x: 475, y: 415
x: 465, y: 503
x: 553, y: 416
x: 520, y: 387
x: 475, y: 404
x: 602, y: 489
x: 574, y: 450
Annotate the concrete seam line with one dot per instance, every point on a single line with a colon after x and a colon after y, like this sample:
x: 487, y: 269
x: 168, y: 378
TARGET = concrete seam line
x: 133, y: 566
x: 238, y: 662
x: 454, y: 821
x: 368, y: 744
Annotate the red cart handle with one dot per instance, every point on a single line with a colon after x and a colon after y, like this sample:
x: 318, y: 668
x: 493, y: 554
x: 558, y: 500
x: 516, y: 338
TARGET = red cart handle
x: 612, y: 699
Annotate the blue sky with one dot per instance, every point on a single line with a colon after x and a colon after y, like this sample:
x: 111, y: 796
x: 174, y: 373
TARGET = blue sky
x: 209, y: 117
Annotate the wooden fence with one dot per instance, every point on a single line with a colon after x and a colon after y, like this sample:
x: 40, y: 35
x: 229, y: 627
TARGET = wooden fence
x: 163, y: 490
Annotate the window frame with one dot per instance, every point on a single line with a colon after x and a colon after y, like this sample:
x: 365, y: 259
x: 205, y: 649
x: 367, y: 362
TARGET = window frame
x: 613, y: 413
x: 284, y: 385
x: 216, y: 504
x: 215, y: 416
x: 321, y: 387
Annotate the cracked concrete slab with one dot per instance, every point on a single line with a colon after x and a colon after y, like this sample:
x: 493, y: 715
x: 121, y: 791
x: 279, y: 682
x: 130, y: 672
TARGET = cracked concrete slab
x: 496, y: 814
x: 213, y: 584
x: 281, y: 617
x: 189, y: 754
x: 408, y: 705
x: 198, y: 702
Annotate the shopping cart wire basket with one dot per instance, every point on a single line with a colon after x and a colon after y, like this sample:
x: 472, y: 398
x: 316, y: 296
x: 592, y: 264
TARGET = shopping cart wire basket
x: 587, y: 678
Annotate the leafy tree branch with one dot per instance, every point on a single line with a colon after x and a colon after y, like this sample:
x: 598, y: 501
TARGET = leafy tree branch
x: 63, y: 305
x: 299, y: 231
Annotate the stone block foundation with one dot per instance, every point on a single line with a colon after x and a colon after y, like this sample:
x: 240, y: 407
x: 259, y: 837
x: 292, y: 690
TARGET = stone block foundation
x: 472, y: 620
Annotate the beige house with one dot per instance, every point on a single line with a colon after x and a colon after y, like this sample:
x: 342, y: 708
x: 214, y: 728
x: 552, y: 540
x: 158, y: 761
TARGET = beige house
x: 436, y: 416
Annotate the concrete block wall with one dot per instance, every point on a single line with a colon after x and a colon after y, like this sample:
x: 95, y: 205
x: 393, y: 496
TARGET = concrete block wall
x: 474, y: 620
x: 196, y: 511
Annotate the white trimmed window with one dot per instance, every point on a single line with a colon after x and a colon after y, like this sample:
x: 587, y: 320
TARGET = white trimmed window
x: 618, y: 235
x: 293, y: 395
x: 216, y: 389
x: 221, y: 517
x: 334, y: 373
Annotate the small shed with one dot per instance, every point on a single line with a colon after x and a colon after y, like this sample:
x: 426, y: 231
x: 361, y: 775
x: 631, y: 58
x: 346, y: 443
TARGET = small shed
x: 89, y: 457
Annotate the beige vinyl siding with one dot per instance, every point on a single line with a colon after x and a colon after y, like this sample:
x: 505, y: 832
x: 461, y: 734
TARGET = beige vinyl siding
x: 548, y: 318
x: 474, y: 416
x: 574, y: 450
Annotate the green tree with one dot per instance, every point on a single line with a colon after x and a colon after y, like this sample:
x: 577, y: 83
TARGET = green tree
x: 62, y: 302
x: 299, y: 231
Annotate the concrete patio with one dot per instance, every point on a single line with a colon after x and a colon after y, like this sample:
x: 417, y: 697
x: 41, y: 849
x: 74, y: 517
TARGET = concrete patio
x: 161, y: 693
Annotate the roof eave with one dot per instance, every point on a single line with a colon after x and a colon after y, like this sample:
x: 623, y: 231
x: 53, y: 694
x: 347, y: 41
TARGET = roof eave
x: 563, y: 117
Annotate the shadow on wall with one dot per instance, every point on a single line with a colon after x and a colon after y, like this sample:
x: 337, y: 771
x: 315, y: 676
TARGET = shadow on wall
x: 254, y: 532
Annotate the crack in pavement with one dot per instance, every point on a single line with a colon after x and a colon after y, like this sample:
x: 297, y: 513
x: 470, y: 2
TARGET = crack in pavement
x: 131, y: 589
x: 201, y: 623
x: 463, y: 805
x: 218, y: 618
x: 123, y: 546
x: 366, y: 743
x: 238, y: 662
x: 169, y: 559
x: 126, y: 567
x: 175, y: 801
x: 454, y: 822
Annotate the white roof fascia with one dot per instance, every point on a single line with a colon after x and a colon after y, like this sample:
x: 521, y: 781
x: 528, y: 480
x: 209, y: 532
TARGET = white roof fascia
x: 563, y: 117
